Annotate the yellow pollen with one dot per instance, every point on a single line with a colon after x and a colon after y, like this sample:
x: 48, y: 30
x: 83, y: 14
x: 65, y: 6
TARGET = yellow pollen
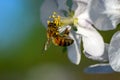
x: 75, y: 21
x: 54, y: 13
x: 56, y: 19
x: 61, y: 21
x: 48, y: 22
x: 49, y: 17
x: 53, y: 16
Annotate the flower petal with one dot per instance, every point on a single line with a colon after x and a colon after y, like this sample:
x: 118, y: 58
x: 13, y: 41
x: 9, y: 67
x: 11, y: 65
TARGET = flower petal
x: 97, y: 14
x: 47, y: 9
x: 62, y: 5
x: 84, y: 1
x: 99, y: 69
x: 114, y: 52
x: 84, y: 20
x: 74, y: 53
x: 79, y: 6
x: 92, y: 41
x: 113, y: 11
x: 102, y: 58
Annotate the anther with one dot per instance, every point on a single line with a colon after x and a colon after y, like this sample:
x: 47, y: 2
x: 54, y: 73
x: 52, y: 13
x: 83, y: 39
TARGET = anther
x: 54, y: 13
x: 49, y: 17
x: 48, y: 22
x: 53, y: 16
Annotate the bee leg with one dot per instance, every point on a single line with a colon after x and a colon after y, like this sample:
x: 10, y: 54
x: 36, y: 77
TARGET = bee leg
x: 46, y: 44
x: 45, y: 47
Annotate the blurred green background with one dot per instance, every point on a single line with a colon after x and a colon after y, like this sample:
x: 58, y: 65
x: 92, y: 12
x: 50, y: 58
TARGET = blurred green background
x: 22, y: 38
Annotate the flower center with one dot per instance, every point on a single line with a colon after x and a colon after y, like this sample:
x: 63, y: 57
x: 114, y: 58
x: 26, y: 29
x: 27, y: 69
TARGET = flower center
x: 62, y: 21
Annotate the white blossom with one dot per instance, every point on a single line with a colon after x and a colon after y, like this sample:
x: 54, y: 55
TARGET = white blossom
x: 114, y: 52
x: 93, y: 43
x: 102, y: 68
x: 105, y: 14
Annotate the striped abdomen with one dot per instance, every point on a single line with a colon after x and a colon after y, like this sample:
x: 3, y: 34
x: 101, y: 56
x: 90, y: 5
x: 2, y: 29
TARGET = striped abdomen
x: 62, y: 41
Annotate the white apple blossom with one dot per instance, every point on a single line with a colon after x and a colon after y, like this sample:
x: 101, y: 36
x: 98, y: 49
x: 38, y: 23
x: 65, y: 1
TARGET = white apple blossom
x: 93, y: 43
x: 114, y: 52
x: 102, y: 68
x: 105, y: 15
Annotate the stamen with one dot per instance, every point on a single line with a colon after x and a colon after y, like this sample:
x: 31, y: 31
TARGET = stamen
x: 53, y: 16
x: 56, y: 19
x: 50, y: 17
x: 48, y: 22
x: 54, y: 13
x: 61, y: 21
x: 75, y: 21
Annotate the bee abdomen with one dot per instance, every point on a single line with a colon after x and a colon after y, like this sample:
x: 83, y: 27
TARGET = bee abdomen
x: 68, y: 42
x: 63, y: 41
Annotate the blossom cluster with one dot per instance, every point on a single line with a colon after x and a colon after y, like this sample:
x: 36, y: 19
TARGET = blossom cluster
x: 89, y: 16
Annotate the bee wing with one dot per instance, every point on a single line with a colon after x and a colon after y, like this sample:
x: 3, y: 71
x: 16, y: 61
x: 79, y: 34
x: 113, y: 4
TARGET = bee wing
x: 74, y: 53
x: 62, y: 29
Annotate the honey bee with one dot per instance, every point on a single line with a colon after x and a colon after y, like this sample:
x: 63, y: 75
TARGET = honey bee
x: 56, y: 37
